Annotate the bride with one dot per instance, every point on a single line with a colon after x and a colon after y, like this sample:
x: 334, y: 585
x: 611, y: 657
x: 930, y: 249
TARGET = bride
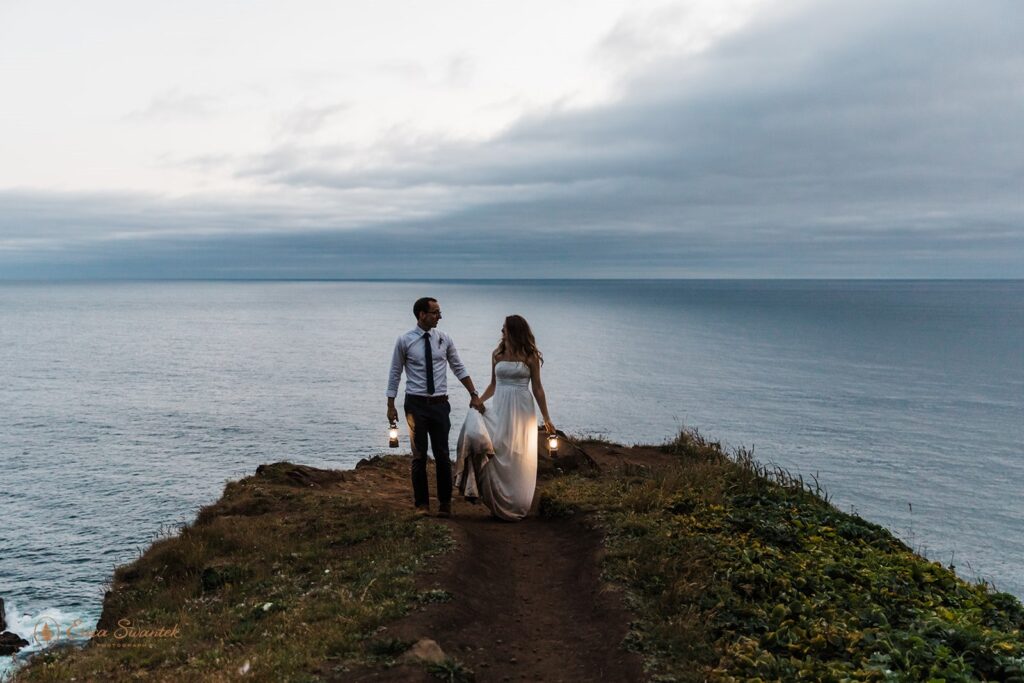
x: 497, y: 447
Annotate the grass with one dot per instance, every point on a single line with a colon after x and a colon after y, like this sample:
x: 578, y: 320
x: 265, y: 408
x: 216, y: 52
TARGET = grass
x: 452, y: 671
x: 287, y: 577
x: 732, y: 570
x: 736, y: 571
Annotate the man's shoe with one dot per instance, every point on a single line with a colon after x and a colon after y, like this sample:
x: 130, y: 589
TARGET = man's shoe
x: 422, y: 510
x: 444, y: 510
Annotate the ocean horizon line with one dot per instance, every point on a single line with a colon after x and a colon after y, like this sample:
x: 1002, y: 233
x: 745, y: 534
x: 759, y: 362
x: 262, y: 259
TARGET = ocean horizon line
x: 13, y: 281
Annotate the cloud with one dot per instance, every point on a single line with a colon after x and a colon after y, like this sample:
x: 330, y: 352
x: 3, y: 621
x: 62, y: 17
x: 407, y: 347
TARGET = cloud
x: 916, y: 100
x: 460, y: 70
x: 309, y: 120
x: 644, y: 35
x: 175, y: 104
x: 821, y: 139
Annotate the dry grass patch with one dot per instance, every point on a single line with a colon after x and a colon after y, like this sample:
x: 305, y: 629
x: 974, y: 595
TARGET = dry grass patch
x: 288, y: 577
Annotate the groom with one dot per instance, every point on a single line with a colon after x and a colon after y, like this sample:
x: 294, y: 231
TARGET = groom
x: 425, y: 353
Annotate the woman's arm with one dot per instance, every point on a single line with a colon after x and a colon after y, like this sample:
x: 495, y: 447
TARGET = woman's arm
x: 538, y: 393
x: 489, y: 391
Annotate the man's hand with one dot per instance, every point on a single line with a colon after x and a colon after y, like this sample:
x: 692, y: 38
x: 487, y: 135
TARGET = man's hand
x: 475, y: 402
x: 392, y: 411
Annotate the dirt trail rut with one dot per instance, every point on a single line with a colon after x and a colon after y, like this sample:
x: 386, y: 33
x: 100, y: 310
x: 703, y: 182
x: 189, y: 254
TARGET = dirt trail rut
x: 527, y: 604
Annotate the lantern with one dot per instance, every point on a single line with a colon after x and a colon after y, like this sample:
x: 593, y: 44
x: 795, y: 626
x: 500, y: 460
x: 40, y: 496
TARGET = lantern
x: 553, y: 445
x: 393, y: 435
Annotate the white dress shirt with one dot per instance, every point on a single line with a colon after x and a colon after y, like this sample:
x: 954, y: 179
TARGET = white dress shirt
x: 411, y: 356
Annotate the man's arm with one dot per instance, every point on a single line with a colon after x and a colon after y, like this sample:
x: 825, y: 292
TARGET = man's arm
x: 460, y: 371
x: 394, y: 377
x: 474, y: 398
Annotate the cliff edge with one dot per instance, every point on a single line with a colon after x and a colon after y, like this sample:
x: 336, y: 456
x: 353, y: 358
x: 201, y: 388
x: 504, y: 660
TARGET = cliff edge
x: 670, y: 563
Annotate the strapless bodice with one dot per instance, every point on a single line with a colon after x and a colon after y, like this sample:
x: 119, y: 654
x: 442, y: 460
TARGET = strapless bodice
x: 512, y: 373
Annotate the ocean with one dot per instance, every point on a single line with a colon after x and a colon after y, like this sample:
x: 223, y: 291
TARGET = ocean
x: 128, y: 405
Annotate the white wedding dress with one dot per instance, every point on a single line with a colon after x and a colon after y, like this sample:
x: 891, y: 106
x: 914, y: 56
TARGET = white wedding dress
x: 497, y: 451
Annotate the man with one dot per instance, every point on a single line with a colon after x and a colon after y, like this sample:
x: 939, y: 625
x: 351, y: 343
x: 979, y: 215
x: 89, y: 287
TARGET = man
x: 425, y: 354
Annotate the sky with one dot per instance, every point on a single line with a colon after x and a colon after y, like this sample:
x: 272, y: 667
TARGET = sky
x: 458, y: 139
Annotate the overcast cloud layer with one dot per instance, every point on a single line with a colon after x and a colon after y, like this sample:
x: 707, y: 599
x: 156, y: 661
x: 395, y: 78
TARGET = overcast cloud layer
x: 828, y: 139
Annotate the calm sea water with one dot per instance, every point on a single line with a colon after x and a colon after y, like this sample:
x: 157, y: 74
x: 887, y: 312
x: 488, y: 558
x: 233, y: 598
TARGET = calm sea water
x: 126, y: 406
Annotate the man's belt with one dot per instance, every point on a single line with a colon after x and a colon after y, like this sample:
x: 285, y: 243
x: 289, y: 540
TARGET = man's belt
x: 426, y: 399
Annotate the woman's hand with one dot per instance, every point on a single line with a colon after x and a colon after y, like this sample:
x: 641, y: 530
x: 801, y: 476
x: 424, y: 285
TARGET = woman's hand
x: 549, y: 427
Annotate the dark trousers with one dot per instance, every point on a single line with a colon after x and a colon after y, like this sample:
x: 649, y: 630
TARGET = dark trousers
x: 433, y: 420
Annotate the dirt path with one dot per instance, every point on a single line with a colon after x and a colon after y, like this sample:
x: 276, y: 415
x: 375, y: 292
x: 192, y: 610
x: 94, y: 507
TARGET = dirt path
x: 527, y: 603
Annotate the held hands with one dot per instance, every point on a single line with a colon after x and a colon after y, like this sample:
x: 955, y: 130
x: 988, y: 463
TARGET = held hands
x: 475, y: 402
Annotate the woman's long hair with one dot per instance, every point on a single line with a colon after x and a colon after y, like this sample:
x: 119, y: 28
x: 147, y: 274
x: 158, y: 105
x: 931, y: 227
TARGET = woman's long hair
x: 518, y: 341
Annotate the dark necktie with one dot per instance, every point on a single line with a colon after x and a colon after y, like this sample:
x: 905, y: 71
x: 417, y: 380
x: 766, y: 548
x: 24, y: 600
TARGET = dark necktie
x: 430, y: 363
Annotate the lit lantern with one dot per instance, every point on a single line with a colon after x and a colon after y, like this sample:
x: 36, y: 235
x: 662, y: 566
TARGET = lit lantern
x: 393, y: 435
x: 553, y: 445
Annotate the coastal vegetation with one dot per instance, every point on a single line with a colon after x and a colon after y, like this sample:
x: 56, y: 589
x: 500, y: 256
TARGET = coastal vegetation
x: 729, y: 571
x: 736, y: 571
x: 287, y: 577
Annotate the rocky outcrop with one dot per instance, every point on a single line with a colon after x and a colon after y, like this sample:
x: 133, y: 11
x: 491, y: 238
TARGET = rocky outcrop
x: 426, y: 651
x: 299, y: 475
x: 9, y: 642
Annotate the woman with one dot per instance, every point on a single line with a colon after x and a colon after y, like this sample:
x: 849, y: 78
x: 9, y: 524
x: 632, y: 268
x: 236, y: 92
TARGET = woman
x: 497, y: 451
